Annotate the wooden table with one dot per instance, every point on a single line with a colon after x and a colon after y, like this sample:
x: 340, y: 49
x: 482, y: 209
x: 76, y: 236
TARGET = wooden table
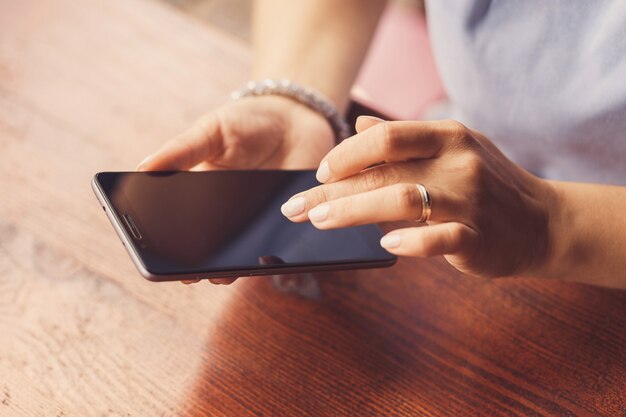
x: 97, y: 84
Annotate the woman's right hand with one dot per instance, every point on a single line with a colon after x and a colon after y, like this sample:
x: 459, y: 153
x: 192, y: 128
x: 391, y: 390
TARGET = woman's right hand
x: 251, y: 133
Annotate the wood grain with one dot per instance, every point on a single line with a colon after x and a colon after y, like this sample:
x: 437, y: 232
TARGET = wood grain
x: 95, y: 85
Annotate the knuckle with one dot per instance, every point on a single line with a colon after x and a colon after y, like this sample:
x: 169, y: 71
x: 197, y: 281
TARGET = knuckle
x: 407, y: 198
x: 455, y: 127
x: 392, y: 173
x: 473, y: 172
x: 372, y: 179
x: 473, y: 164
x: 316, y: 195
x: 459, y: 133
x: 389, y: 137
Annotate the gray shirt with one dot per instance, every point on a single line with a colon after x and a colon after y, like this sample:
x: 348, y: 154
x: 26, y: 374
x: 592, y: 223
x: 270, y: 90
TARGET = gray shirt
x: 545, y: 80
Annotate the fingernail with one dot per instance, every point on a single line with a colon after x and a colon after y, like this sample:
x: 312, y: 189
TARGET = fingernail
x: 390, y: 241
x: 319, y: 213
x: 293, y: 207
x: 323, y: 172
x: 372, y: 118
x: 145, y: 161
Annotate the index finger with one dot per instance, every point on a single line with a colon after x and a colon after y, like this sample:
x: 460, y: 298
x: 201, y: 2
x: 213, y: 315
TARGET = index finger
x: 203, y: 141
x: 383, y: 142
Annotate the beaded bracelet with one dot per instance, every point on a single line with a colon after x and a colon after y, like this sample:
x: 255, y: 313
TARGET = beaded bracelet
x: 310, y: 98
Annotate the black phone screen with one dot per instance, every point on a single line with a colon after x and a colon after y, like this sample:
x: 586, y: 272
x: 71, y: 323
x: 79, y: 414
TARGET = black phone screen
x: 188, y: 222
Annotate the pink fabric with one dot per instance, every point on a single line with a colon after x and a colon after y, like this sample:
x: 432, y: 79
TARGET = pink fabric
x: 399, y: 77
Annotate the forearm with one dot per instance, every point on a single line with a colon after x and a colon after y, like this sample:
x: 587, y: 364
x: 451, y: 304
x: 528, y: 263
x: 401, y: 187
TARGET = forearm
x: 589, y: 234
x: 318, y: 43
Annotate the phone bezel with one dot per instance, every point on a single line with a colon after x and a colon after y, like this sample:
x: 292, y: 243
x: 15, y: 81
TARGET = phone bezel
x: 130, y: 244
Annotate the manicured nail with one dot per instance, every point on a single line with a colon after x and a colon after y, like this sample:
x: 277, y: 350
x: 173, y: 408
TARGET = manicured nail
x: 145, y: 161
x: 372, y: 118
x: 390, y: 241
x: 319, y: 213
x: 293, y: 207
x: 323, y: 172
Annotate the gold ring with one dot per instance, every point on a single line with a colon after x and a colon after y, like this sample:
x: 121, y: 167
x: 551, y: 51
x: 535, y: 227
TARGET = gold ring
x: 427, y: 204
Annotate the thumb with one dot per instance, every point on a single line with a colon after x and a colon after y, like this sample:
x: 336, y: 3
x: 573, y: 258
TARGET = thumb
x: 202, y: 142
x: 365, y: 122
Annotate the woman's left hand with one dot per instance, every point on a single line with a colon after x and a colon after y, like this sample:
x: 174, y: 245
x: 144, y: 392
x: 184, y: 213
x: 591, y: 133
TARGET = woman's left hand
x: 489, y: 216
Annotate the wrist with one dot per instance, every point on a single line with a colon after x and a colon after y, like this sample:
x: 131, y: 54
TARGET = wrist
x: 337, y: 92
x: 586, y: 234
x: 313, y: 99
x: 560, y: 220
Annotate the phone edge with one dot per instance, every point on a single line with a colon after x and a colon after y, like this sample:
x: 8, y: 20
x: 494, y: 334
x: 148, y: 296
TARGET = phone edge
x: 121, y: 232
x: 129, y: 245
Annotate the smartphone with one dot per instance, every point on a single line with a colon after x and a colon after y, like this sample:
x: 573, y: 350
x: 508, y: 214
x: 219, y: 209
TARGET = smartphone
x: 193, y: 225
